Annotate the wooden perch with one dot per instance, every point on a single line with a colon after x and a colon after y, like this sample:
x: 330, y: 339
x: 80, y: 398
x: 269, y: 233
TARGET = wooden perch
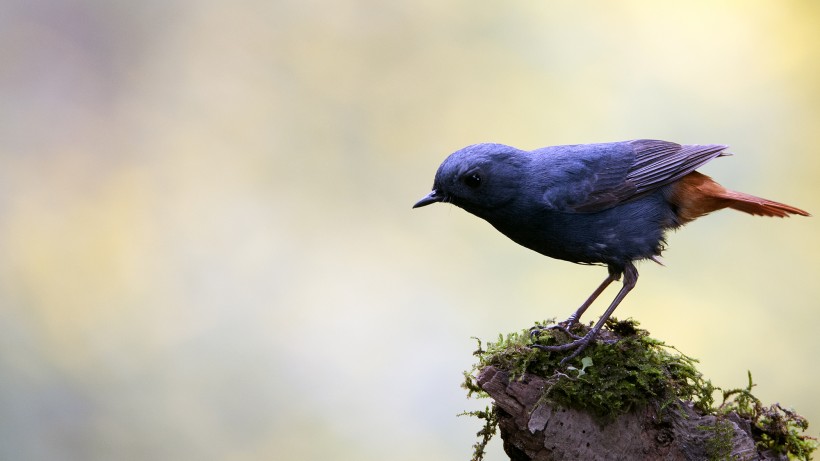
x: 633, y: 398
x: 534, y: 431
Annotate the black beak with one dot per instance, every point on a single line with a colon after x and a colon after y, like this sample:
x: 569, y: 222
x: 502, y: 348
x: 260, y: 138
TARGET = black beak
x: 432, y: 197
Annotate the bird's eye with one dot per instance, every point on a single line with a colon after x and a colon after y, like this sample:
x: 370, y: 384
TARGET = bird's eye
x: 473, y: 180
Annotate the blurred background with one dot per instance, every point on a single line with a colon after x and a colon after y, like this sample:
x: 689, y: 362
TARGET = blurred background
x: 207, y: 249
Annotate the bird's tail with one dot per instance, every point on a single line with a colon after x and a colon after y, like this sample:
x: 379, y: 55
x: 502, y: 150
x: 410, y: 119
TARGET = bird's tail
x: 696, y: 194
x: 761, y: 206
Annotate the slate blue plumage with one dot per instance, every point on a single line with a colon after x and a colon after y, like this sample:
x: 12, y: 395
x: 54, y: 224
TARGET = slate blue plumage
x: 604, y: 204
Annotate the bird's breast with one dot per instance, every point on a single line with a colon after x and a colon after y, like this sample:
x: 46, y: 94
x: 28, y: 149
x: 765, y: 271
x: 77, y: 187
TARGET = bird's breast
x: 629, y: 231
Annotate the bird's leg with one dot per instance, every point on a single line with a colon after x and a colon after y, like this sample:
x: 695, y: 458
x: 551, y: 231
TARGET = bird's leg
x: 567, y: 324
x: 576, y: 316
x: 630, y: 279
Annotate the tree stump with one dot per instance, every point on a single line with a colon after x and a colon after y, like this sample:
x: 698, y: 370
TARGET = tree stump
x: 631, y: 399
x: 534, y: 431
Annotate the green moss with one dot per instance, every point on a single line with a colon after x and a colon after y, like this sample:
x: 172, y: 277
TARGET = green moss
x: 719, y: 446
x: 486, y: 433
x: 611, y: 379
x: 774, y: 428
x: 625, y: 369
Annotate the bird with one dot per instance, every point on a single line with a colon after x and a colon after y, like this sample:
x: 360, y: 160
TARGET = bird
x: 608, y: 204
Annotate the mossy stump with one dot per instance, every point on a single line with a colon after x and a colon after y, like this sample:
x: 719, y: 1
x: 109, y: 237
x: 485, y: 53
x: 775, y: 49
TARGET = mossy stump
x: 627, y: 397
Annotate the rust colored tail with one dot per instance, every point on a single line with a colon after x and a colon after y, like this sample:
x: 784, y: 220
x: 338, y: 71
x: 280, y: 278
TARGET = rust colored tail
x: 696, y: 194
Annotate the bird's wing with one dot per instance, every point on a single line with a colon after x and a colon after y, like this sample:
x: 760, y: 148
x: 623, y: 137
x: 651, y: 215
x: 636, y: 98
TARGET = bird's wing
x: 642, y: 167
x: 658, y: 163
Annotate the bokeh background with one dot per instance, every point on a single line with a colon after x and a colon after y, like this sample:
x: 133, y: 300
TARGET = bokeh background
x: 207, y: 249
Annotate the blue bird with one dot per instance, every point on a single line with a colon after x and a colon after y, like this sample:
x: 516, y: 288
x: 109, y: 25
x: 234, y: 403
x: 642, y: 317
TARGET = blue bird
x: 608, y: 204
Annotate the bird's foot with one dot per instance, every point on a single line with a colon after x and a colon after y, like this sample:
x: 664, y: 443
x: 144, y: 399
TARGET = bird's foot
x: 564, y: 327
x: 577, y: 345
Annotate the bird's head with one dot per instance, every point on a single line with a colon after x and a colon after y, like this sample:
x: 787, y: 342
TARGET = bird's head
x: 478, y: 178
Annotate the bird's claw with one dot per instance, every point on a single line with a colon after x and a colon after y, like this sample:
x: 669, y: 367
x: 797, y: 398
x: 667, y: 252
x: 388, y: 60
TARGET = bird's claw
x: 536, y: 330
x: 578, y: 345
x: 564, y: 327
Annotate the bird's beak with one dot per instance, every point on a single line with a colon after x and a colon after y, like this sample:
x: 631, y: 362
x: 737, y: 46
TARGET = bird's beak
x: 432, y: 197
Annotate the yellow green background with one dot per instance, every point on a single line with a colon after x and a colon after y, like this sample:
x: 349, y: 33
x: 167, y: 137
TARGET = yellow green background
x: 207, y: 249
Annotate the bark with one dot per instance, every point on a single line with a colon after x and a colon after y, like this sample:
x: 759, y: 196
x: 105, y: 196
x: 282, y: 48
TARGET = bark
x: 533, y: 430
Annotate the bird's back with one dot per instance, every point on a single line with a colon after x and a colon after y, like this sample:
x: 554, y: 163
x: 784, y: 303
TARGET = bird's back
x: 593, y: 177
